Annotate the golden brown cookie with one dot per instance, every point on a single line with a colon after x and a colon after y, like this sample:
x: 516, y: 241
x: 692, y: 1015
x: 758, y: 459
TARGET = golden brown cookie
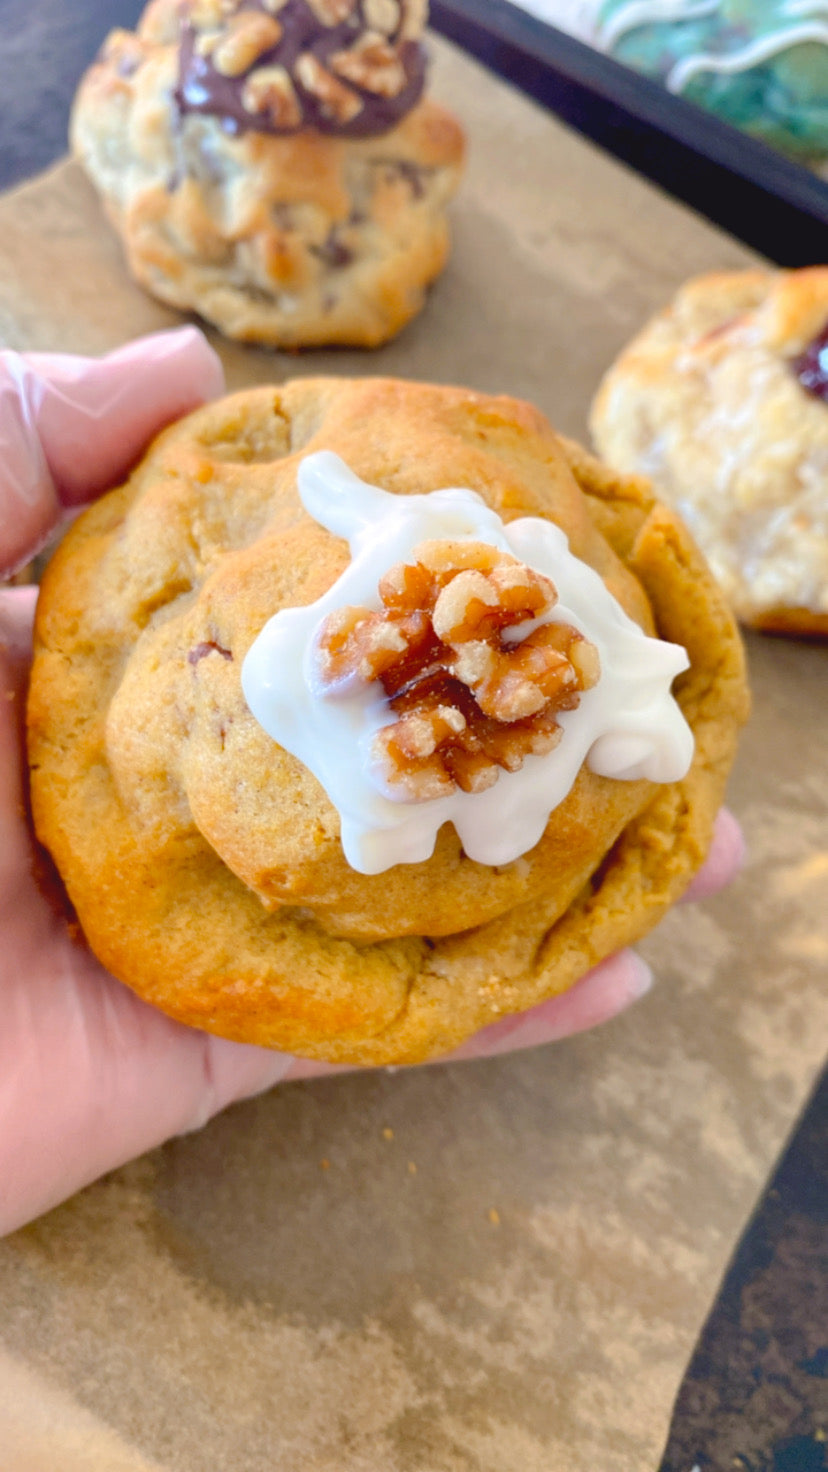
x: 270, y: 164
x: 723, y: 401
x: 204, y: 860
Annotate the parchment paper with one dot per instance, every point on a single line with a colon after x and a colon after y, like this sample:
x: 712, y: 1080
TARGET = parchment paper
x: 493, y: 1267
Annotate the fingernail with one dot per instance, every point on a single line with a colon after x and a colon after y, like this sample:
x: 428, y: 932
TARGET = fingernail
x: 641, y: 977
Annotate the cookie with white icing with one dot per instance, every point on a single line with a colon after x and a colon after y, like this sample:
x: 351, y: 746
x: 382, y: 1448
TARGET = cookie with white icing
x: 761, y: 65
x: 358, y: 801
x: 273, y: 165
x: 723, y: 401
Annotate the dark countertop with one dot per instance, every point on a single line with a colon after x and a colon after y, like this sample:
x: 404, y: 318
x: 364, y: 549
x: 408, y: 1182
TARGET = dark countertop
x: 755, y: 1396
x: 46, y: 46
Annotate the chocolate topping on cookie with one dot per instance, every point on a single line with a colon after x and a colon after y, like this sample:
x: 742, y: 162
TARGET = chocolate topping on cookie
x: 349, y: 67
x: 811, y: 367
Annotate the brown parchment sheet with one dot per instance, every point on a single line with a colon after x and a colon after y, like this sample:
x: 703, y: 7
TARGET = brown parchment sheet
x: 490, y: 1267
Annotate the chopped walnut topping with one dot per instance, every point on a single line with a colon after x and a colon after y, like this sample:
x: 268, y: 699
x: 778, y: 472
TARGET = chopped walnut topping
x: 381, y: 15
x: 270, y: 93
x: 124, y: 51
x: 335, y: 99
x: 206, y: 42
x: 249, y: 35
x: 332, y: 12
x: 207, y: 14
x: 358, y: 646
x: 415, y: 15
x: 470, y: 698
x: 371, y: 64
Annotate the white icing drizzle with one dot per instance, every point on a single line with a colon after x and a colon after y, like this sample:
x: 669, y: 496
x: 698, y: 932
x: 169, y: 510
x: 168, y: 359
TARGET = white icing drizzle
x: 628, y: 726
x: 804, y: 7
x: 761, y: 49
x: 638, y: 13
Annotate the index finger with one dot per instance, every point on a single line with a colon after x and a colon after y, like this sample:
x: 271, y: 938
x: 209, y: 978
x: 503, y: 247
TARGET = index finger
x: 71, y: 427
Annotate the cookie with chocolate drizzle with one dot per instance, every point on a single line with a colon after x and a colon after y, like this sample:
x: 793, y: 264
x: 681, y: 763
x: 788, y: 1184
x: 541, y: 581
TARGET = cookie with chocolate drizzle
x: 351, y: 68
x: 273, y: 164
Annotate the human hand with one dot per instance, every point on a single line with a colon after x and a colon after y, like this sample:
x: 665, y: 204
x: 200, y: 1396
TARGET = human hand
x: 91, y: 1076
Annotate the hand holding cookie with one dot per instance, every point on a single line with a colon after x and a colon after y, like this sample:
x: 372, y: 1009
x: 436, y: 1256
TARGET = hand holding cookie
x: 90, y: 1075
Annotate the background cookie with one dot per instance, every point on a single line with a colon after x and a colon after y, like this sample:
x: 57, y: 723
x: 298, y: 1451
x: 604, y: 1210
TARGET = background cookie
x: 761, y: 65
x: 269, y: 163
x: 204, y: 861
x: 723, y: 401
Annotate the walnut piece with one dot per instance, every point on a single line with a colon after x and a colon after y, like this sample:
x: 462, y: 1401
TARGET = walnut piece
x: 270, y: 93
x: 249, y: 35
x: 470, y: 697
x: 381, y: 15
x: 415, y: 15
x: 371, y: 64
x: 124, y: 52
x: 335, y: 99
x: 332, y: 12
x: 207, y: 14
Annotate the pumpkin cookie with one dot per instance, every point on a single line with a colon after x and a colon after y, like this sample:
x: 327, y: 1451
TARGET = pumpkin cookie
x: 357, y: 801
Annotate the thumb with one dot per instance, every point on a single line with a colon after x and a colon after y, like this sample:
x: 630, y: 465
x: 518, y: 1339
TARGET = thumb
x: 71, y: 427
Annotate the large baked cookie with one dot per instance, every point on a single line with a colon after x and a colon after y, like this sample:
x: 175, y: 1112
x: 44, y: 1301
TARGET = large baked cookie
x: 723, y: 401
x: 272, y: 165
x: 205, y: 859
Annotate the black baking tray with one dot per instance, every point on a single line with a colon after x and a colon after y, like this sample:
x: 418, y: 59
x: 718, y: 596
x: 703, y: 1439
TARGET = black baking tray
x: 774, y: 205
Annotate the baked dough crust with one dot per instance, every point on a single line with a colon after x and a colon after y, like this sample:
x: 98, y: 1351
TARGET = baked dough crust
x: 706, y: 401
x: 298, y: 241
x: 204, y: 861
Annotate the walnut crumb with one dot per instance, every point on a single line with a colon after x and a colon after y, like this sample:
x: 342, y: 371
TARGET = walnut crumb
x: 248, y: 36
x: 470, y: 698
x: 334, y: 98
x: 371, y: 64
x: 269, y: 92
x: 415, y: 15
x: 207, y: 14
x: 332, y: 12
x: 381, y: 15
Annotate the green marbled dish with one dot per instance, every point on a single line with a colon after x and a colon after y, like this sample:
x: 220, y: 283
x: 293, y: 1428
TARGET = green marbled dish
x: 782, y: 99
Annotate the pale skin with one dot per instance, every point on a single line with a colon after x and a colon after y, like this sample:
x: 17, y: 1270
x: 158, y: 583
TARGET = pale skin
x: 90, y: 1076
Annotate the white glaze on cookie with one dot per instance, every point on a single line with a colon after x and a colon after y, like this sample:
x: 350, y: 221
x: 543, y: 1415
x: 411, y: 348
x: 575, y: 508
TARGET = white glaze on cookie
x: 627, y: 727
x: 762, y: 48
x: 788, y: 31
